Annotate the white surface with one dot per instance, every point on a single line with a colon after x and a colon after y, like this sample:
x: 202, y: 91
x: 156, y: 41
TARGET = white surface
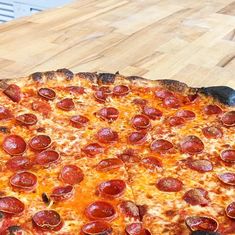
x: 6, y: 10
x: 10, y: 9
x: 43, y: 3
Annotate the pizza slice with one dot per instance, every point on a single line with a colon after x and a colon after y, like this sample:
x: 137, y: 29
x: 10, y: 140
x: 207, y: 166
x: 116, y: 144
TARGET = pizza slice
x: 178, y: 157
x: 55, y: 165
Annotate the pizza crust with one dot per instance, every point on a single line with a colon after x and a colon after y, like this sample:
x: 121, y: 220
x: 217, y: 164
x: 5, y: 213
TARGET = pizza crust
x: 222, y: 94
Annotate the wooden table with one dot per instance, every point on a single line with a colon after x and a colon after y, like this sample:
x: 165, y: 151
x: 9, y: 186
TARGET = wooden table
x: 188, y: 40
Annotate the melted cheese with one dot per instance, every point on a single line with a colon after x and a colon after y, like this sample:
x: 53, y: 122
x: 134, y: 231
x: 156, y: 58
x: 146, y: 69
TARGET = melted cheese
x: 140, y: 181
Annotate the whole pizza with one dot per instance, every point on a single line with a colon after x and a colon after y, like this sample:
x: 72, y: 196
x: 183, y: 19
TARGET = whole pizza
x: 102, y: 154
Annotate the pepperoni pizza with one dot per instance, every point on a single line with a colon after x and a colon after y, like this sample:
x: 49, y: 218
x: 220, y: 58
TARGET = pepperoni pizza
x: 91, y: 153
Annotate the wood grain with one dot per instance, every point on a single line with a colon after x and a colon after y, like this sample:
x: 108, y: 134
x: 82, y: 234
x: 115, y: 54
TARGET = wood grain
x: 191, y: 41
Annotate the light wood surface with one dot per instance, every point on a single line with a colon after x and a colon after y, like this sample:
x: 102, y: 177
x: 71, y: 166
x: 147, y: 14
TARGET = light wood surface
x: 191, y: 41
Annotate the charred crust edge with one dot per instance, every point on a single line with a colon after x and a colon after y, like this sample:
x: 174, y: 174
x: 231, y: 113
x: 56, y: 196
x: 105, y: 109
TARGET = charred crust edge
x: 87, y: 75
x: 66, y: 72
x: 37, y: 76
x: 4, y: 83
x: 223, y: 94
x: 106, y: 78
x: 175, y: 85
x: 50, y: 75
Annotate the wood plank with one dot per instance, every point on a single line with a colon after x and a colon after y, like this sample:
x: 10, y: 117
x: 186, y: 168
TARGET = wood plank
x: 229, y: 9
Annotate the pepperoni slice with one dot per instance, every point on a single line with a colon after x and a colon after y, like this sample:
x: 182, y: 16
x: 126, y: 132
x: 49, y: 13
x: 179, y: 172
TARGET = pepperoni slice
x: 66, y: 104
x: 139, y: 101
x: 212, y: 132
x: 169, y: 184
x: 201, y: 223
x: 227, y: 178
x: 162, y: 94
x: 186, y: 114
x: 62, y: 193
x: 161, y: 146
x: 137, y: 138
x: 212, y: 109
x: 192, y: 145
x: 228, y: 155
x: 107, y: 135
x: 100, y: 210
x: 13, y: 92
x: 109, y: 164
x: 196, y: 196
x: 105, y: 89
x: 121, y: 90
x: 171, y: 102
x: 151, y: 163
x: 47, y: 93
x: 11, y: 205
x: 5, y: 113
x: 140, y: 122
x: 152, y: 113
x: 76, y: 90
x: 112, y: 188
x: 27, y: 119
x: 24, y: 181
x: 136, y: 229
x: 47, y: 220
x: 129, y: 156
x: 93, y: 149
x: 200, y: 165
x: 79, y: 121
x: 96, y: 228
x: 129, y: 209
x: 100, y: 96
x: 230, y: 210
x: 228, y: 118
x: 42, y: 107
x: 40, y: 142
x: 18, y: 163
x: 176, y: 121
x: 14, y: 145
x: 108, y: 113
x: 71, y: 174
x: 47, y: 157
x: 192, y: 98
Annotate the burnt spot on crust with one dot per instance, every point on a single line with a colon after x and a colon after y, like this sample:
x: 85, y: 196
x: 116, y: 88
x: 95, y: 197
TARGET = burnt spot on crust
x: 225, y: 95
x: 86, y: 75
x: 4, y: 84
x: 173, y: 85
x: 50, y: 75
x: 37, y: 77
x: 66, y: 72
x: 106, y: 78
